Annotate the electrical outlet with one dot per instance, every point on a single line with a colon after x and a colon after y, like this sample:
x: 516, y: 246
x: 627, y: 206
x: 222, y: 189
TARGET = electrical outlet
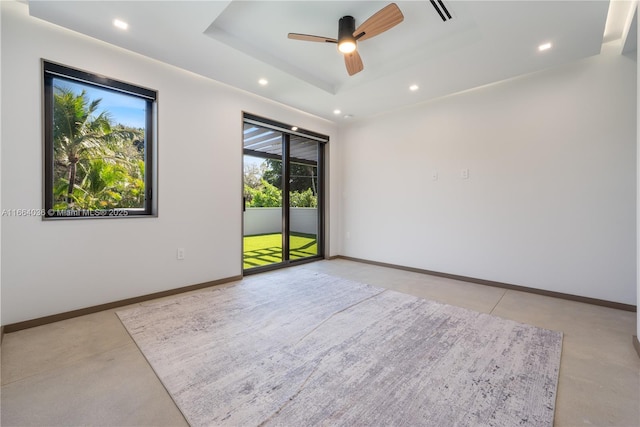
x: 465, y: 174
x: 434, y: 175
x: 181, y: 254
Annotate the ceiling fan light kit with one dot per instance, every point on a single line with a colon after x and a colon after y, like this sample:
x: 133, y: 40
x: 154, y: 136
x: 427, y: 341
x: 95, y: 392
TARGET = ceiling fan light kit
x: 348, y: 35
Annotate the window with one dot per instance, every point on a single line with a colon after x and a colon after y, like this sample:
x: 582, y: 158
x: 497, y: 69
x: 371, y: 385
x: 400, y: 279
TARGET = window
x: 99, y: 145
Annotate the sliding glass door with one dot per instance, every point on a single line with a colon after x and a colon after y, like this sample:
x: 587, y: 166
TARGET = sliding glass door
x: 283, y: 193
x: 263, y: 226
x: 303, y: 198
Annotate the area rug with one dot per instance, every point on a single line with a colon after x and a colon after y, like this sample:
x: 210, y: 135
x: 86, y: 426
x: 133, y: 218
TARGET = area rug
x: 301, y: 348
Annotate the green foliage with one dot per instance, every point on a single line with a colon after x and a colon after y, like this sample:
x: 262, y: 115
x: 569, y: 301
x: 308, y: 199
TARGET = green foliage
x: 97, y: 164
x: 270, y: 196
x: 262, y: 186
x: 302, y: 176
x: 303, y: 199
x: 266, y: 196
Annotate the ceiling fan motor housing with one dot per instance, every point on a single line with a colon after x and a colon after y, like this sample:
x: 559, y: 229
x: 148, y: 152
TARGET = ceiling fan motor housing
x: 346, y: 28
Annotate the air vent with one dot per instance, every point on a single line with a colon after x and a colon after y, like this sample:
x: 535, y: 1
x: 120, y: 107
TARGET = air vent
x: 441, y: 9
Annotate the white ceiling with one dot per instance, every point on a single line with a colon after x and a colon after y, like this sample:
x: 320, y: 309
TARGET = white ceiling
x: 238, y: 42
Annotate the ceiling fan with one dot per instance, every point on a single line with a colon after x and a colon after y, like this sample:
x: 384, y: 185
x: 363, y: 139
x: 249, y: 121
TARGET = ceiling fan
x: 348, y: 35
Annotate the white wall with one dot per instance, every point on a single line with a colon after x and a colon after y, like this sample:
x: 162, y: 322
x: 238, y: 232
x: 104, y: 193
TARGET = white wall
x: 0, y: 170
x: 550, y: 199
x: 50, y: 267
x: 638, y: 186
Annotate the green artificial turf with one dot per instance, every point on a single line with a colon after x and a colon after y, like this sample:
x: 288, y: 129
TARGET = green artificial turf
x: 266, y: 249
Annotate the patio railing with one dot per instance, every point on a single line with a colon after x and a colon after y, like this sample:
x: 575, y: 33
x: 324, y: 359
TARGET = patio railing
x: 269, y: 220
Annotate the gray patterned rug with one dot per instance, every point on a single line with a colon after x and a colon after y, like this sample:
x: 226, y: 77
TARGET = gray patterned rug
x: 302, y: 348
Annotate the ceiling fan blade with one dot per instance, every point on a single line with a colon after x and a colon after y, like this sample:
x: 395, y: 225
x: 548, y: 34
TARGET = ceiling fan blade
x: 309, y: 38
x: 353, y: 61
x: 381, y: 21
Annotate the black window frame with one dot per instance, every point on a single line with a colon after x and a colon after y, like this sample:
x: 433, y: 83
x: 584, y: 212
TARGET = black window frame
x: 51, y: 70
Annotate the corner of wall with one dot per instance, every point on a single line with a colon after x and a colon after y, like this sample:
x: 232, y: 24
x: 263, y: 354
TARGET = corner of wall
x: 2, y: 328
x: 638, y: 196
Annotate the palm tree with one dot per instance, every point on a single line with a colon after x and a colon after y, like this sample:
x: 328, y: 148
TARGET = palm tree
x: 77, y: 132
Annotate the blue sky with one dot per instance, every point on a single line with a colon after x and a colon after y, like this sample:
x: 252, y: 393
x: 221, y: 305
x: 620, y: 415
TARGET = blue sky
x: 250, y: 160
x: 125, y: 109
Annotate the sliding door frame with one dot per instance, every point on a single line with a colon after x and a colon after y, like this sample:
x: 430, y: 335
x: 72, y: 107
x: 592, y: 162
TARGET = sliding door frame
x: 286, y: 198
x: 287, y: 131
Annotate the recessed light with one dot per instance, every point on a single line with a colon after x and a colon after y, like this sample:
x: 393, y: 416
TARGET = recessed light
x: 336, y: 112
x: 414, y: 88
x: 294, y: 128
x: 120, y: 24
x: 263, y: 82
x: 544, y: 46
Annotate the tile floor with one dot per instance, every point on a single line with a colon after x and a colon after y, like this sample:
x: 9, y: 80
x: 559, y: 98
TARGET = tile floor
x: 88, y: 371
